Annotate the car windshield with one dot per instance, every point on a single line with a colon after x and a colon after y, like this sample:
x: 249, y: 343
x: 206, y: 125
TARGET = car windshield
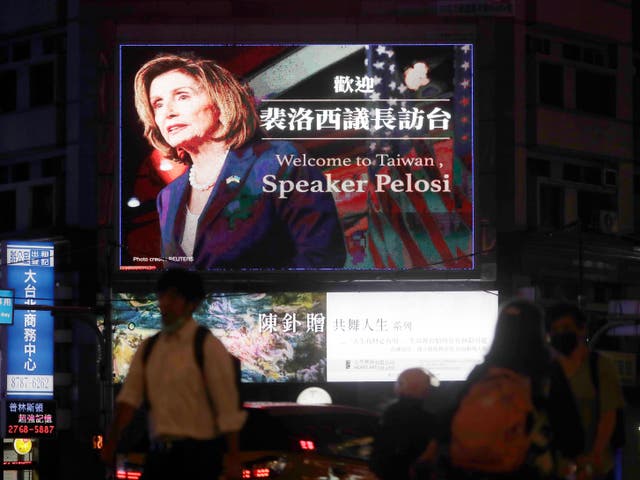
x: 340, y: 434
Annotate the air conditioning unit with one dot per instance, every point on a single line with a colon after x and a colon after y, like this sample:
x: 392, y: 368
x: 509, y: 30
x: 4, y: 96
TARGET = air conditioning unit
x: 608, y: 221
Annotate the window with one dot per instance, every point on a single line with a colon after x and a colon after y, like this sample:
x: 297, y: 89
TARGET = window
x: 571, y: 172
x: 42, y: 206
x: 41, y: 84
x: 592, y: 175
x: 8, y: 90
x: 590, y: 208
x: 612, y: 56
x: 595, y: 92
x: 52, y: 167
x: 538, y: 168
x: 56, y: 43
x: 551, y: 207
x: 571, y: 52
x: 583, y: 174
x: 8, y: 217
x: 600, y: 55
x: 551, y: 84
x: 538, y: 45
x: 4, y: 53
x: 4, y: 174
x: 21, y: 50
x: 593, y: 56
x: 20, y: 172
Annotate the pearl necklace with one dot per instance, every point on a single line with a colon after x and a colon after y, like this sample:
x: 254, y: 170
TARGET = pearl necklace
x: 202, y: 186
x: 198, y: 186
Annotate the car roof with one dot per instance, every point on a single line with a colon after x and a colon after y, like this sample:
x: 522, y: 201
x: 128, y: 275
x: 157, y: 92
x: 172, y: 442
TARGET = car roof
x: 292, y: 408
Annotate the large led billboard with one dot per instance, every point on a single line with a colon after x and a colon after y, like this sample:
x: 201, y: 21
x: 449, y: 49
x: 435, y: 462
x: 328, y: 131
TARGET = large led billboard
x: 296, y: 157
x: 329, y: 337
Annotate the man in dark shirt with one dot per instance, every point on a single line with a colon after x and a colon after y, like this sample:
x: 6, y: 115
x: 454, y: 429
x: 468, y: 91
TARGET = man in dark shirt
x: 406, y: 431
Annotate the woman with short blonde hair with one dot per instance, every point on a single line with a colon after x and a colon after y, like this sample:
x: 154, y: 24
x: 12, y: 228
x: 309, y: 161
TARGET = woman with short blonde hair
x: 234, y: 100
x: 220, y: 213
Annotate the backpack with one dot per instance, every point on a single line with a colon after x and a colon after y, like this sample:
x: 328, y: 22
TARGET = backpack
x: 135, y: 437
x: 198, y: 346
x: 568, y: 432
x: 491, y: 429
x: 198, y: 350
x: 618, y: 435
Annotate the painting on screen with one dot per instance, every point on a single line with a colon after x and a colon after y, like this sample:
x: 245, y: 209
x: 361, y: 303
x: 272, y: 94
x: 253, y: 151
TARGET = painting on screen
x: 277, y: 337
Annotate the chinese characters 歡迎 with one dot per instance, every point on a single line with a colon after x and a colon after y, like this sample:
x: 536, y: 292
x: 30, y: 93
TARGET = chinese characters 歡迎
x: 357, y: 84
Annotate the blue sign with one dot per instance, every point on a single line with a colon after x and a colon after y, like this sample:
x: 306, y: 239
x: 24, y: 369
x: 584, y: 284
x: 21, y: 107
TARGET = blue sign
x: 30, y: 274
x: 6, y: 307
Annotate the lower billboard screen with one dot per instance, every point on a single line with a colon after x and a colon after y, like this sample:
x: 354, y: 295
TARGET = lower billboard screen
x: 330, y: 337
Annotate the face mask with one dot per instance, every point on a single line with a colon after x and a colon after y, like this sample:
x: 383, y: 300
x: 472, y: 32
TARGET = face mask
x: 174, y: 326
x: 565, y: 343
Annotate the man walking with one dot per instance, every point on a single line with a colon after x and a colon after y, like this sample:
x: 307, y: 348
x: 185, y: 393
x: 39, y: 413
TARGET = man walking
x: 192, y: 408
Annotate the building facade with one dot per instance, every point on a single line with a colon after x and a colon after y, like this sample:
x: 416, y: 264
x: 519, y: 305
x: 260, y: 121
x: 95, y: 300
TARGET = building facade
x: 556, y: 127
x: 48, y: 193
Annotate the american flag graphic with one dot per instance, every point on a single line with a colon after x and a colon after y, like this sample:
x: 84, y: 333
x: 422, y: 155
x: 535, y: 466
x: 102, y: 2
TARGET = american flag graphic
x: 411, y: 229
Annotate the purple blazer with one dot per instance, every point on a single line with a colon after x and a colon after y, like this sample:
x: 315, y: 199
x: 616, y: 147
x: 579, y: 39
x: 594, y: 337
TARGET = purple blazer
x: 243, y: 227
